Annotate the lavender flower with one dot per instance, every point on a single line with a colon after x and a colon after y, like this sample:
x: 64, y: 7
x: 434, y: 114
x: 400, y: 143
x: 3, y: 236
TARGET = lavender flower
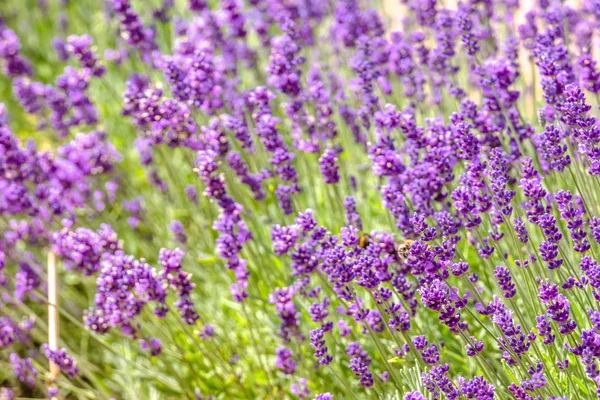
x: 207, y: 332
x: 23, y: 369
x: 329, y: 169
x: 27, y: 279
x: 13, y: 64
x: 180, y: 281
x: 352, y: 216
x: 414, y: 396
x: 284, y: 304
x: 285, y: 362
x: 502, y: 274
x: 300, y: 389
x: 552, y: 149
x: 152, y: 346
x: 318, y: 343
x: 178, y: 231
x: 133, y: 281
x: 6, y: 394
x: 132, y: 30
x: 359, y: 364
x: 465, y: 24
x: 64, y: 362
x: 572, y: 211
x: 80, y: 48
x: 84, y: 249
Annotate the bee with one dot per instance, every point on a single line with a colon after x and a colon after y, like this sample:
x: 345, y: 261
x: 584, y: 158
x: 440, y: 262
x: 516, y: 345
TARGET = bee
x: 364, y: 240
x: 403, y: 249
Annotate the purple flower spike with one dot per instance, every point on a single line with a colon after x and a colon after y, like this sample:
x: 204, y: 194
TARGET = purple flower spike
x: 178, y: 231
x: 329, y: 167
x: 23, y: 369
x: 359, y: 363
x: 285, y: 362
x: 318, y: 343
x: 65, y: 363
x: 502, y: 274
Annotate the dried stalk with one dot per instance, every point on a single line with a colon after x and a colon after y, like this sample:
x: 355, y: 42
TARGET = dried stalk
x: 52, y: 311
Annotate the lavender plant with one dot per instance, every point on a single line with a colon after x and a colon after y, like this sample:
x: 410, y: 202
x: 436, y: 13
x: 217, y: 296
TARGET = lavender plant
x: 272, y: 199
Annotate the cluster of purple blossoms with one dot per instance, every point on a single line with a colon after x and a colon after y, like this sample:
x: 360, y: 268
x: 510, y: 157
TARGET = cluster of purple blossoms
x: 287, y: 311
x: 151, y: 345
x: 239, y: 127
x: 161, y: 120
x: 285, y: 361
x: 320, y: 95
x: 502, y: 274
x: 23, y: 369
x: 80, y: 48
x: 27, y: 279
x: 12, y: 332
x: 365, y: 65
x: 191, y: 193
x: 475, y: 348
x: 515, y: 342
x: 552, y: 148
x: 12, y: 63
x: 477, y: 388
x: 317, y: 342
x: 300, y: 389
x: 253, y: 181
x: 402, y: 63
x: 551, y: 55
x: 499, y: 179
x: 545, y: 330
x: 83, y: 249
x: 558, y: 308
x: 38, y: 190
x: 352, y: 216
x: 329, y: 168
x: 233, y: 232
x: 343, y: 263
x: 465, y: 24
x: 178, y: 230
x: 180, y: 282
x: 136, y: 209
x: 66, y: 104
x: 282, y: 158
x: 132, y: 31
x: 359, y: 363
x: 207, y: 332
x: 414, y: 396
x: 351, y: 23
x: 91, y: 153
x: 591, y: 271
x: 437, y: 296
x: 64, y: 362
x: 3, y: 278
x: 572, y: 211
x: 123, y: 288
x: 284, y: 72
x: 436, y: 382
x: 430, y: 354
x: 196, y: 77
x: 575, y: 114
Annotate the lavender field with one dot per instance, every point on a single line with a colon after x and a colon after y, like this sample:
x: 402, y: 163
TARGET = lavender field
x: 299, y: 199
